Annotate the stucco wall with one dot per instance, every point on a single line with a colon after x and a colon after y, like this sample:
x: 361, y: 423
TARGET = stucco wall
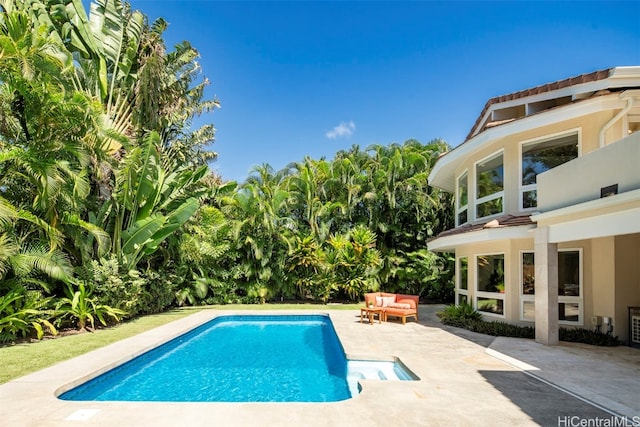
x: 627, y: 283
x: 616, y: 163
x: 603, y: 276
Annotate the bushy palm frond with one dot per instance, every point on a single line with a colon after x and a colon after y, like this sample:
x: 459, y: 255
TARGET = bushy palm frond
x: 38, y: 258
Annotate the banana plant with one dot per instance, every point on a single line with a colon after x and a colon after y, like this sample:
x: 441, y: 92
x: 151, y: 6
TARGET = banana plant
x: 152, y: 199
x: 105, y: 43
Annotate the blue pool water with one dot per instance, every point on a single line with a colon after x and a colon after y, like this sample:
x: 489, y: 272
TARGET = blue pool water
x: 233, y: 359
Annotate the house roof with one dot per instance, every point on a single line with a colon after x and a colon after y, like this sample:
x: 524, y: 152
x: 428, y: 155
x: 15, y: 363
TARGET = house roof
x: 548, y: 87
x: 500, y: 222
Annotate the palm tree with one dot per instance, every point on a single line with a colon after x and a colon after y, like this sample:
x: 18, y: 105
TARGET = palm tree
x: 309, y: 189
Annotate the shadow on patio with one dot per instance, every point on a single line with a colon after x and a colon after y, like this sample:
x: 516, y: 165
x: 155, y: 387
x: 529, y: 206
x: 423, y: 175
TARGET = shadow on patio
x: 545, y: 404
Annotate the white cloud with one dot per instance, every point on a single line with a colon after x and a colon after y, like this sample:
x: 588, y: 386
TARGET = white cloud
x: 344, y: 129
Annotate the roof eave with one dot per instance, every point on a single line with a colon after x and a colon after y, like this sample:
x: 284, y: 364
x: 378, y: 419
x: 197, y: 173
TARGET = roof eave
x: 450, y: 243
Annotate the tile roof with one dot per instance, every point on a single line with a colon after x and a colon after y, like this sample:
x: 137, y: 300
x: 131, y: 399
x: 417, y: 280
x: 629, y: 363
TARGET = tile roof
x: 560, y: 84
x: 500, y: 222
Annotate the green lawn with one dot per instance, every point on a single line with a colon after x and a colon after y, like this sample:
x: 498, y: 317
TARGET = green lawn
x: 22, y: 359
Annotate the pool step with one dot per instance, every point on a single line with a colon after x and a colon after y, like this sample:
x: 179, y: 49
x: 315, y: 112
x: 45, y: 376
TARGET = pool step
x: 374, y: 370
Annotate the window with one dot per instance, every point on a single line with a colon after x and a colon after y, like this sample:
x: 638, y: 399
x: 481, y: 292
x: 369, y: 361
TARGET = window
x: 463, y: 269
x: 527, y: 286
x: 569, y: 287
x: 489, y: 186
x: 462, y: 280
x: 569, y: 273
x: 490, y: 285
x: 491, y: 273
x: 568, y: 312
x: 540, y: 156
x: 528, y: 274
x: 462, y: 199
x: 491, y: 305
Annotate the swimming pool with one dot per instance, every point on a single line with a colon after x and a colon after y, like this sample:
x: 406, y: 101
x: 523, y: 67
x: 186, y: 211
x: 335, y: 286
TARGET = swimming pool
x: 244, y: 358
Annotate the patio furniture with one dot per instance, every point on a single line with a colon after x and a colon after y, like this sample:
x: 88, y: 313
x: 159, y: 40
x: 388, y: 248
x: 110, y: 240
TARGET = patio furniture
x: 371, y: 313
x: 395, y: 305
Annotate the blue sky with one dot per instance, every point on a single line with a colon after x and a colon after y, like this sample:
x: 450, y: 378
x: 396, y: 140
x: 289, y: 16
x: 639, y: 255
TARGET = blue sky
x: 311, y: 78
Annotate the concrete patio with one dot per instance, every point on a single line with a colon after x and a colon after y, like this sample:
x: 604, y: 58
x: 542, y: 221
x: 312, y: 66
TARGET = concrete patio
x: 465, y: 379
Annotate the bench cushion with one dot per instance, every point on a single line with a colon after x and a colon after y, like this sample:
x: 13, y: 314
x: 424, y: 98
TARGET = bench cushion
x: 403, y: 306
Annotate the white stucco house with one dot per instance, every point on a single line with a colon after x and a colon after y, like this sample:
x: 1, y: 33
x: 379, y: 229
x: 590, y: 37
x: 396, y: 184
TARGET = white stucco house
x: 547, y: 206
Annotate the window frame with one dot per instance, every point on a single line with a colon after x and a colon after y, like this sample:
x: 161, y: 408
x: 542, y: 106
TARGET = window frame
x: 573, y: 299
x: 459, y: 290
x: 561, y: 299
x: 493, y: 295
x: 459, y: 209
x: 498, y: 195
x: 525, y: 297
x: 539, y: 140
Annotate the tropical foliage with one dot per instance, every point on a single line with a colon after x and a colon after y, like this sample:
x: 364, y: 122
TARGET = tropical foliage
x: 23, y: 311
x: 98, y: 160
x: 323, y: 230
x: 108, y: 209
x: 80, y: 307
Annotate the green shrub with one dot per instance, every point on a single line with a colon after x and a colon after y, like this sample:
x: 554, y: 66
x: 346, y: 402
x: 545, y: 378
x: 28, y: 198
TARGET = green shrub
x: 501, y: 329
x: 160, y: 291
x: 587, y: 336
x: 260, y: 293
x: 464, y: 316
x: 130, y: 290
x: 192, y: 292
x: 459, y: 314
x: 115, y: 286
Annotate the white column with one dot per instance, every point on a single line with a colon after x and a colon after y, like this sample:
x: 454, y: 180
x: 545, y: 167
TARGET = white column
x: 546, y: 260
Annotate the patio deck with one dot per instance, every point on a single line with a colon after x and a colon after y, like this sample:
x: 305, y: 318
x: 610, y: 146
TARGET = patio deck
x: 466, y: 379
